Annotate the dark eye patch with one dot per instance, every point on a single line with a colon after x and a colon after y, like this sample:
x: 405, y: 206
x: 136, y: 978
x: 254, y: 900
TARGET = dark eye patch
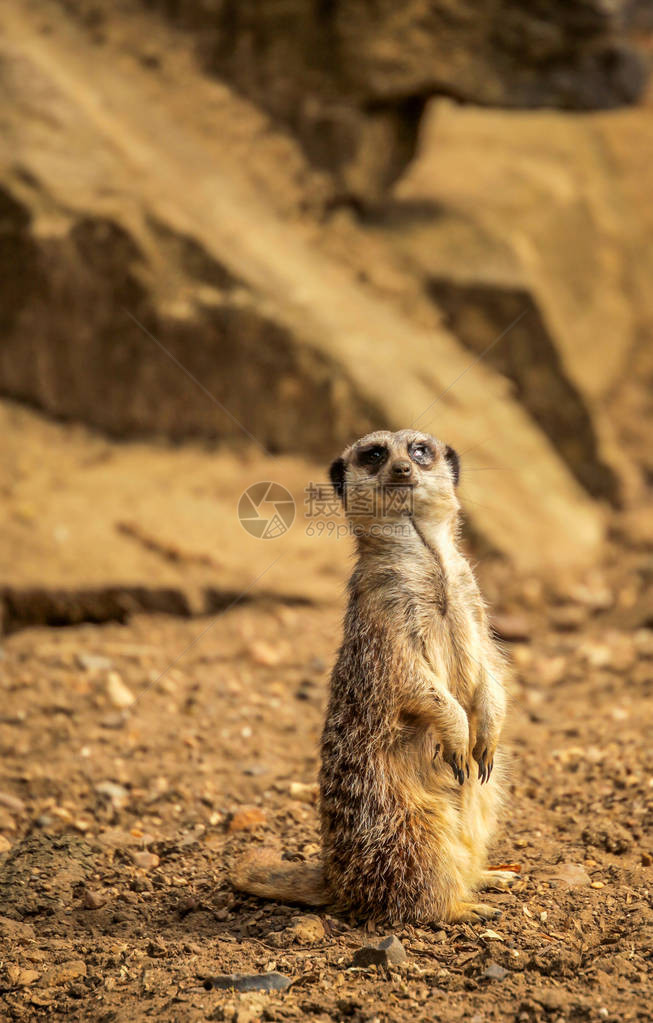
x: 421, y: 453
x: 372, y: 457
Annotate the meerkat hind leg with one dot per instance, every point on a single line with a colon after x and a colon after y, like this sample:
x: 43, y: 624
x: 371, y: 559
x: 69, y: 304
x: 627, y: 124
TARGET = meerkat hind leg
x: 472, y: 913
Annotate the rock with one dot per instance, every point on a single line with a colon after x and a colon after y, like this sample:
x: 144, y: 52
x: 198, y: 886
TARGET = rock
x: 64, y: 973
x: 7, y: 822
x: 385, y: 952
x: 249, y: 981
x: 494, y: 972
x: 19, y: 977
x: 117, y: 794
x: 93, y: 899
x: 12, y: 803
x: 567, y: 875
x: 491, y: 251
x: 246, y: 819
x: 94, y: 662
x: 17, y: 930
x: 119, y: 694
x: 266, y: 654
x: 303, y: 930
x: 350, y: 109
x: 311, y: 309
x: 144, y: 859
x: 246, y: 1009
x: 304, y: 793
x: 115, y: 721
x: 5, y: 844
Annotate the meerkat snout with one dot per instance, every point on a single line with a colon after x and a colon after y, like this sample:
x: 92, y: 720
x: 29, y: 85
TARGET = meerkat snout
x: 402, y: 471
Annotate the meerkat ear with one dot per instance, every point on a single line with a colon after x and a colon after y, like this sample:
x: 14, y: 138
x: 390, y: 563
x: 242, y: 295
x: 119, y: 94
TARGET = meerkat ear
x: 337, y: 476
x: 453, y: 459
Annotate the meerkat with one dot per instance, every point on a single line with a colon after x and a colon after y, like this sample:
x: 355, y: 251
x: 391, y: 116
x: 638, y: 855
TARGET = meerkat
x: 410, y: 777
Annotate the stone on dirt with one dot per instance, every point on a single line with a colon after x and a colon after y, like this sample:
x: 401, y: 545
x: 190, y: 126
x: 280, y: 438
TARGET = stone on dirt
x: 303, y: 930
x: 63, y: 973
x: 92, y: 899
x: 494, y: 972
x: 386, y: 952
x: 272, y: 981
x: 303, y: 793
x: 119, y: 694
x: 246, y: 819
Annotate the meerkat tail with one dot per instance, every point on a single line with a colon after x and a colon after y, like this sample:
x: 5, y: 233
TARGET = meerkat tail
x: 262, y: 873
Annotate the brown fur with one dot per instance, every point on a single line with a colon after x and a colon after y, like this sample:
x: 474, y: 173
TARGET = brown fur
x: 416, y: 697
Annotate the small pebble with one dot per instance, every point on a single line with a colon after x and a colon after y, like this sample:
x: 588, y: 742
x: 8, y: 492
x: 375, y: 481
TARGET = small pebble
x: 63, y: 973
x: 246, y: 819
x: 304, y: 930
x: 12, y: 803
x: 249, y: 981
x: 494, y: 972
x: 93, y: 900
x: 94, y: 662
x: 18, y: 977
x: 265, y: 654
x: 386, y: 952
x: 117, y: 794
x: 302, y: 792
x: 119, y: 695
x: 144, y: 859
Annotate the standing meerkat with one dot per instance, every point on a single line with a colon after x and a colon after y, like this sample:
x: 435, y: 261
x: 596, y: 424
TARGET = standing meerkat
x: 408, y: 798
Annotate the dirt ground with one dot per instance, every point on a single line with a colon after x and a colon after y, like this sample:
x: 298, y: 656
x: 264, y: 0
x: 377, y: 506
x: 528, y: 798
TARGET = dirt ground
x: 118, y: 826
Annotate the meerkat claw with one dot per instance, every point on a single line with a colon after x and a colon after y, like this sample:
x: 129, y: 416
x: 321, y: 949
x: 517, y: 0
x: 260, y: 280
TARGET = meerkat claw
x: 457, y: 766
x: 482, y: 770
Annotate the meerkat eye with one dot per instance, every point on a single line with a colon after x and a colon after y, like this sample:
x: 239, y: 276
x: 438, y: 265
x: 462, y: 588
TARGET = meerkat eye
x: 421, y: 453
x: 374, y: 456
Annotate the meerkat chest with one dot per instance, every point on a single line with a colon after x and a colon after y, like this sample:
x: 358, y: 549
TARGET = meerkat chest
x: 453, y: 644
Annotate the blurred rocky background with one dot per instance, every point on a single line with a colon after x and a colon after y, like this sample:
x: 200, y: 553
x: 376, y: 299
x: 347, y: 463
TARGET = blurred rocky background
x: 334, y: 216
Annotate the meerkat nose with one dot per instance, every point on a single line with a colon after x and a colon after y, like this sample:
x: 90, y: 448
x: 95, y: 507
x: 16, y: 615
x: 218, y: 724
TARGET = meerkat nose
x: 401, y: 468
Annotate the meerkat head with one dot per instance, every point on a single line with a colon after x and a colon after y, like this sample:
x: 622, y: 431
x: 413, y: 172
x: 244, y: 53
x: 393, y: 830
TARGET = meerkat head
x: 392, y: 475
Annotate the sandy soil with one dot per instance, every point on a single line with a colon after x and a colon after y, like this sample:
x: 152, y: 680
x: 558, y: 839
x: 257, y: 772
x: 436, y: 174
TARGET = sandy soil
x: 119, y: 826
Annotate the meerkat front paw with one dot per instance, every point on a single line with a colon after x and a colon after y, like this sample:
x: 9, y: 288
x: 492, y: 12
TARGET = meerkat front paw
x: 457, y: 759
x: 484, y: 757
x: 485, y: 747
x: 489, y: 712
